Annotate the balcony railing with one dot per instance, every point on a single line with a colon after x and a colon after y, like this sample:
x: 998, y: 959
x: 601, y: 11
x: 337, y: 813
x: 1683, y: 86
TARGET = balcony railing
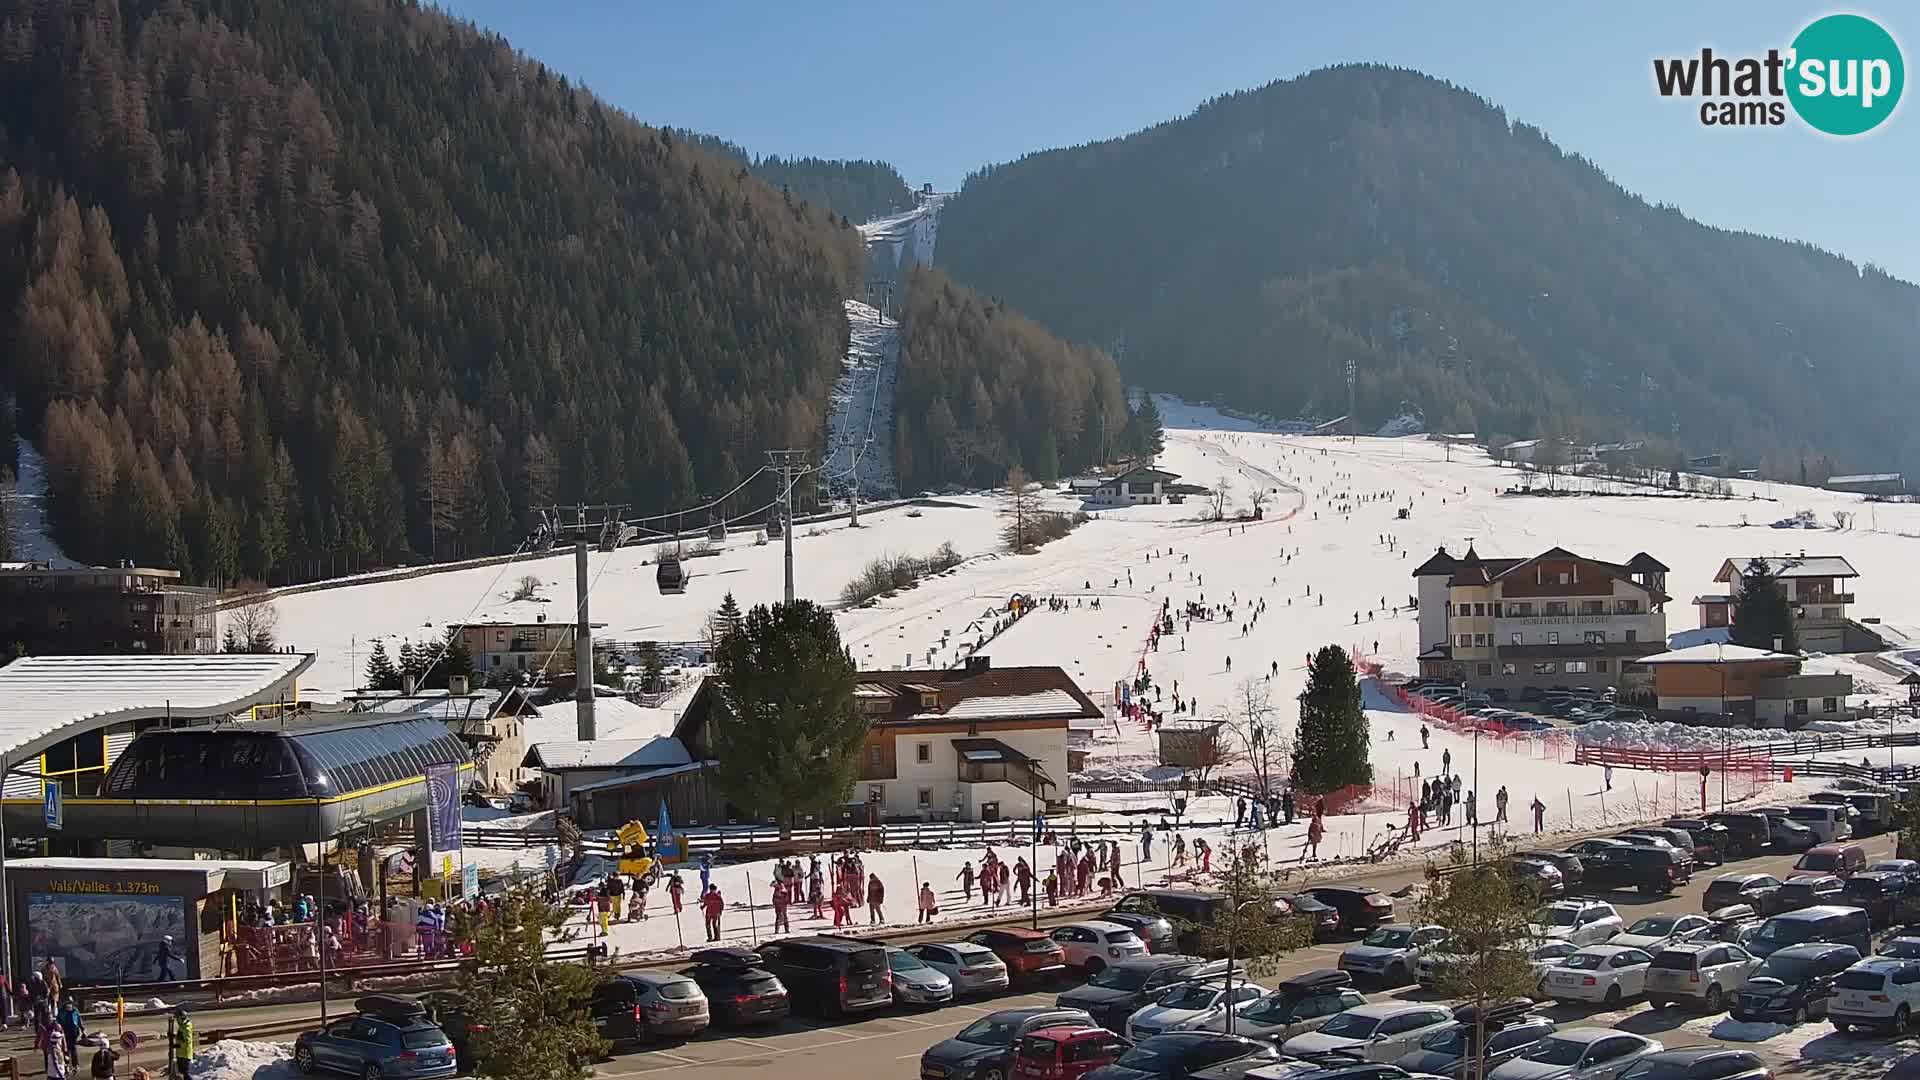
x: 1002, y: 772
x: 1824, y: 598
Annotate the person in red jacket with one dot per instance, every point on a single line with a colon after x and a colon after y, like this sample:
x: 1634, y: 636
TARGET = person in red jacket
x: 711, y: 905
x: 876, y: 895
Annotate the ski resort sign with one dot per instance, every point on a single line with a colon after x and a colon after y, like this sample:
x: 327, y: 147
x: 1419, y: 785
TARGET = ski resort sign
x: 1842, y: 75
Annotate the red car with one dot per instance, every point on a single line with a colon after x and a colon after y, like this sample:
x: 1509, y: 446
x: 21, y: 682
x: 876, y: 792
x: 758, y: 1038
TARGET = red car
x: 1066, y: 1053
x: 1027, y: 953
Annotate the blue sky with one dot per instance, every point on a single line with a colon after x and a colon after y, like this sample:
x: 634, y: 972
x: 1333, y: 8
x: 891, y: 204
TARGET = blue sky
x: 940, y: 89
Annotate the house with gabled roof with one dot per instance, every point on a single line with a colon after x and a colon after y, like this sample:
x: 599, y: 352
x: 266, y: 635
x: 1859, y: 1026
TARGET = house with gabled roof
x: 1552, y: 619
x: 1818, y: 588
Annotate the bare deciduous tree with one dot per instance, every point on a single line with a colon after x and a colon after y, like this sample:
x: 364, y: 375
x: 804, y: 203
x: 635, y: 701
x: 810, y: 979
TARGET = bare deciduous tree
x: 1217, y: 499
x: 1259, y: 498
x: 527, y: 588
x: 1021, y: 509
x: 1254, y: 724
x: 251, y: 628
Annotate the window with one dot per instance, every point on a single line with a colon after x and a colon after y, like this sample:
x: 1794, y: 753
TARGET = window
x: 1465, y: 641
x: 926, y: 798
x: 1479, y: 610
x: 1508, y: 669
x: 1514, y: 638
x: 1596, y: 637
x: 1480, y: 640
x: 923, y: 752
x: 1487, y: 670
x: 1557, y: 607
x: 1576, y: 667
x: 1829, y: 705
x: 1626, y: 607
x: 873, y: 755
x: 1593, y: 607
x: 1633, y: 635
x: 1545, y: 667
x: 1520, y: 611
x: 1553, y: 637
x: 1599, y: 667
x: 1799, y: 706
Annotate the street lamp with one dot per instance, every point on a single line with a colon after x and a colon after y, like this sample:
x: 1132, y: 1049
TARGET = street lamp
x: 1231, y: 924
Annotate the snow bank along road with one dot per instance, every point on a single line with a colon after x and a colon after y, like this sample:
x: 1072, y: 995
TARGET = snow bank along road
x: 888, y: 1045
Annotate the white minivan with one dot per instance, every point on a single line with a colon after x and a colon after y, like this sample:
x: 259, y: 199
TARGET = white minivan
x: 1829, y: 823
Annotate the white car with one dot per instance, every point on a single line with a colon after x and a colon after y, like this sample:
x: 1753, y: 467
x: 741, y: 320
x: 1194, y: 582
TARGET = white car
x: 1283, y: 1014
x: 1093, y: 945
x: 1390, y: 952
x: 1878, y: 992
x: 1606, y: 974
x: 1654, y: 931
x: 1188, y: 1006
x: 1583, y: 922
x: 1383, y: 1031
x: 973, y: 969
x: 1710, y: 973
x: 1585, y: 1053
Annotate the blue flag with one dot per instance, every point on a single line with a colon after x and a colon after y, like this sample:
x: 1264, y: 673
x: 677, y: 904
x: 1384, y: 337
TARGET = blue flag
x: 663, y: 836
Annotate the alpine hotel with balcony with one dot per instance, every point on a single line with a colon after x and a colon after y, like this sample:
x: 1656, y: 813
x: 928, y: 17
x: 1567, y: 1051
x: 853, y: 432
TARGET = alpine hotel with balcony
x: 1555, y: 619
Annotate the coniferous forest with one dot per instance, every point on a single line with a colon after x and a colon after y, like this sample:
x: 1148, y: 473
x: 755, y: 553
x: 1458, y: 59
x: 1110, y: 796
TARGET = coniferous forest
x: 289, y: 288
x: 1462, y: 264
x: 858, y: 191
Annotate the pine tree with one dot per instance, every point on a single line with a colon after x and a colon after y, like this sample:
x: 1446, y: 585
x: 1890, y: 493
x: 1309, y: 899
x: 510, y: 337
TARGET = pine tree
x: 527, y: 1012
x: 412, y: 665
x: 1145, y: 434
x: 1331, y: 743
x: 381, y: 674
x: 791, y: 737
x: 1761, y: 613
x: 723, y: 622
x: 455, y: 659
x: 652, y: 671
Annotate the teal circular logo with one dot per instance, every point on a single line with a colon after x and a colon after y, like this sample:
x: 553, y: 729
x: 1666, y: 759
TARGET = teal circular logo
x: 1847, y: 75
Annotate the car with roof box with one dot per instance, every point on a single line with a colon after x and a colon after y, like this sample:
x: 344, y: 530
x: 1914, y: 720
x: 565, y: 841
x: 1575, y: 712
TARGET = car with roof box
x: 1297, y: 1005
x: 1581, y: 1053
x: 1704, y: 973
x: 739, y: 990
x: 1125, y: 987
x: 1389, y: 953
x: 1378, y: 1031
x: 1065, y: 1053
x: 984, y: 1049
x: 1700, y: 1063
x: 1189, y: 1055
x: 1732, y: 924
x: 1191, y: 1006
x: 388, y: 1036
x: 1828, y: 923
x: 1511, y: 1027
x: 1758, y: 891
x: 830, y: 972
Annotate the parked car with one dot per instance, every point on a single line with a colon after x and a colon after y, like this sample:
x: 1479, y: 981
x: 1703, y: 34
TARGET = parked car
x: 983, y: 1050
x: 448, y: 1010
x: 1326, y: 920
x: 1829, y: 823
x: 1758, y: 891
x: 1906, y: 948
x: 1655, y: 870
x: 1360, y: 907
x: 390, y: 1037
x: 1595, y: 854
x: 1189, y: 1055
x: 1901, y: 866
x: 1189, y: 912
x: 836, y: 975
x: 973, y: 969
x: 1541, y: 955
x: 1120, y: 990
x: 1879, y: 992
x: 1511, y: 1030
x: 638, y: 1006
x: 1732, y: 924
x: 1189, y: 1006
x: 739, y: 989
x: 1606, y: 974
x: 1155, y: 930
x: 1538, y: 876
x: 1830, y: 923
x: 915, y: 982
x: 1706, y: 973
x: 1572, y: 871
x: 1388, y: 954
x: 1382, y: 1031
x: 1699, y: 1063
x: 1584, y: 1053
x: 1583, y: 922
x: 1840, y: 860
x: 1028, y: 954
x: 1793, y: 984
x: 1655, y: 931
x: 1786, y: 833
x: 1748, y: 834
x: 1888, y: 897
x: 1678, y: 839
x: 1065, y: 1053
x: 1297, y: 1005
x: 1808, y: 890
x: 1711, y: 840
x: 1093, y: 945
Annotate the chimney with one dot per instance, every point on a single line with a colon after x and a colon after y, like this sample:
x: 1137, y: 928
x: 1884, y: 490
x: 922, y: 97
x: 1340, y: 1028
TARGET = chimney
x: 456, y: 686
x: 406, y: 685
x: 1779, y: 644
x: 978, y: 664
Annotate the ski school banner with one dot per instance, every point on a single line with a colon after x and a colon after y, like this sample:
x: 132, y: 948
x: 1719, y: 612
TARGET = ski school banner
x: 443, y: 809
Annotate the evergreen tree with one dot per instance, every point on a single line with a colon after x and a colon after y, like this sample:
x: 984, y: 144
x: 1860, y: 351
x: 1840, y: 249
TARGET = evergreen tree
x: 528, y: 1013
x: 652, y: 671
x: 1761, y: 612
x: 1145, y: 434
x: 723, y: 621
x: 791, y: 737
x: 413, y: 664
x: 381, y: 674
x: 1331, y: 742
x: 455, y: 659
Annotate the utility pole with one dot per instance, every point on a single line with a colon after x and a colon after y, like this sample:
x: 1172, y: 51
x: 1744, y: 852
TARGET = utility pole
x: 791, y: 465
x: 582, y: 646
x: 1353, y: 422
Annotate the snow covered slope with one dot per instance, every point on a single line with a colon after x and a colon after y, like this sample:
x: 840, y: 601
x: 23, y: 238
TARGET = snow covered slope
x: 25, y: 505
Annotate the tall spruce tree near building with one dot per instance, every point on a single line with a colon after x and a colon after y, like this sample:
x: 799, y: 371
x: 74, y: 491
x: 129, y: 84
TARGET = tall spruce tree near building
x: 1761, y: 613
x: 527, y: 1012
x: 723, y: 621
x: 1330, y: 743
x: 381, y: 674
x: 790, y: 739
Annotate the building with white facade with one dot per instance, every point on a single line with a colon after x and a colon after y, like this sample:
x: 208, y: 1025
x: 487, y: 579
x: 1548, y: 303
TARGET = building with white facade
x: 1744, y: 685
x: 1817, y: 588
x: 1554, y: 619
x: 1140, y: 485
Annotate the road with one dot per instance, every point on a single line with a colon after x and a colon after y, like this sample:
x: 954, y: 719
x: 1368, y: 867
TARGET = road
x: 888, y: 1045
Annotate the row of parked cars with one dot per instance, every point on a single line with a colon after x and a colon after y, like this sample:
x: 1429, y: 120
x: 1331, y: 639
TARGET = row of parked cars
x: 1574, y: 704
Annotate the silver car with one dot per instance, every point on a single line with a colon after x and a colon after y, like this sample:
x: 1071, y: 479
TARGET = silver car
x: 1390, y: 953
x: 973, y: 969
x: 915, y: 982
x: 1583, y: 1053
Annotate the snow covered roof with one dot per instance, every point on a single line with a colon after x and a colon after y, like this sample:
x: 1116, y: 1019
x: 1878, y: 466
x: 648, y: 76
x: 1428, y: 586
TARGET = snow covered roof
x: 980, y: 692
x: 1042, y: 704
x: 657, y: 752
x: 1865, y: 478
x: 1713, y: 598
x: 1790, y: 566
x: 44, y: 699
x: 254, y: 873
x: 1715, y: 653
x: 613, y: 718
x: 650, y: 774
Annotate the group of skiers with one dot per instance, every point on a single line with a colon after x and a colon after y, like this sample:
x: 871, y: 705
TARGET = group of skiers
x: 37, y: 1001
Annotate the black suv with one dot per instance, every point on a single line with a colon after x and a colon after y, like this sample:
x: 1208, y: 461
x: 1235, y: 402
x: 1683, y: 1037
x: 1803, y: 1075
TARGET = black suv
x: 1747, y: 834
x: 1761, y: 892
x: 1121, y: 989
x: 1710, y: 841
x: 1655, y: 871
x: 1188, y: 910
x: 1793, y: 984
x: 1361, y: 908
x: 837, y: 975
x: 739, y: 990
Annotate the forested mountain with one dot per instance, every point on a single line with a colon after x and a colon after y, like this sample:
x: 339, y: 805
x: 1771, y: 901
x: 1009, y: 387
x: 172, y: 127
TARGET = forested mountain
x: 1457, y: 259
x: 983, y: 388
x: 287, y: 287
x: 856, y: 190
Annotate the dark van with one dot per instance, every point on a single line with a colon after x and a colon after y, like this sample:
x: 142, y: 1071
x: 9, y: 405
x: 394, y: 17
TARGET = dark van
x: 1827, y: 923
x: 1747, y: 834
x: 836, y: 975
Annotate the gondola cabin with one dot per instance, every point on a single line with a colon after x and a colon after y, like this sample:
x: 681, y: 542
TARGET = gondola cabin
x: 773, y: 527
x: 717, y: 533
x: 670, y: 576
